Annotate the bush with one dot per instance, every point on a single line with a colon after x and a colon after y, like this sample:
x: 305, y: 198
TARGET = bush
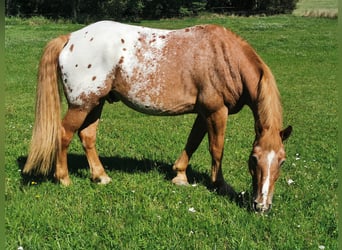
x: 277, y: 6
x: 89, y: 10
x: 248, y: 7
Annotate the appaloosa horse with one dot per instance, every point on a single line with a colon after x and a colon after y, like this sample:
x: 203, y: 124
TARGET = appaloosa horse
x: 205, y: 69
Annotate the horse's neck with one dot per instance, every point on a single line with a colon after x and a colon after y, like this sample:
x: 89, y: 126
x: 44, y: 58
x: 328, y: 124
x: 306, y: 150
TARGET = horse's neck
x: 267, y: 107
x: 264, y: 98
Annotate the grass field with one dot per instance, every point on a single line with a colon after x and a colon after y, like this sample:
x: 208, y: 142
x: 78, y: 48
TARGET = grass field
x: 318, y: 8
x: 141, y: 209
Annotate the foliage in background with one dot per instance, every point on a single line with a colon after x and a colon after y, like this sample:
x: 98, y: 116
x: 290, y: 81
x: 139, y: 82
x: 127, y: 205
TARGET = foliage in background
x: 81, y: 11
x: 252, y: 6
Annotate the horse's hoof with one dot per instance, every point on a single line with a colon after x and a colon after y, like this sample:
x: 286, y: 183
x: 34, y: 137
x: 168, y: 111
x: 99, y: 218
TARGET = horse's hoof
x: 180, y: 181
x: 65, y: 181
x: 104, y: 180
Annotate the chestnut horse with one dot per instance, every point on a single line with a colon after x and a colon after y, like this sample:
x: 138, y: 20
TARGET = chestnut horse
x: 205, y: 69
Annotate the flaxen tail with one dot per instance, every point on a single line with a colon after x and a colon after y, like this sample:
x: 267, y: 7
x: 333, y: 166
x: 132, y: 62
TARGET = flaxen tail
x: 46, y: 135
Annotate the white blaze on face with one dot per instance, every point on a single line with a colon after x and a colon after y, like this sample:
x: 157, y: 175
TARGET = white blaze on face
x: 266, y: 185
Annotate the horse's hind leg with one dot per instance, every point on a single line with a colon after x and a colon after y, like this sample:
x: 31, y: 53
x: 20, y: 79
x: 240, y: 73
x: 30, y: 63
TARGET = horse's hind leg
x: 87, y: 134
x: 72, y: 121
x: 197, y: 133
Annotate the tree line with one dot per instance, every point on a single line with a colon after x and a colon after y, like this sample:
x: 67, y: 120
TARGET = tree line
x: 83, y: 10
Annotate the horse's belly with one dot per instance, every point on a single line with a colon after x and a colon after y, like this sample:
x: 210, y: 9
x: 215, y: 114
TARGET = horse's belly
x: 153, y: 90
x: 154, y: 97
x: 158, y: 104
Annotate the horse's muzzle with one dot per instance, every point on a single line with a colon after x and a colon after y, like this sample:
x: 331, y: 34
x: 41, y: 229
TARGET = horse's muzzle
x: 261, y: 208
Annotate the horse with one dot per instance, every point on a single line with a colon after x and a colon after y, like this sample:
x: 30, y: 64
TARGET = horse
x: 207, y: 70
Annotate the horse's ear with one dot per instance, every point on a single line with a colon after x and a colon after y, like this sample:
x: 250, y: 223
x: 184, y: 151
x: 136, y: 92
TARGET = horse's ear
x: 286, y: 133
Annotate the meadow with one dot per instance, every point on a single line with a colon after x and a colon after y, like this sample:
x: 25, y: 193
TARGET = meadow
x: 318, y: 8
x: 141, y: 208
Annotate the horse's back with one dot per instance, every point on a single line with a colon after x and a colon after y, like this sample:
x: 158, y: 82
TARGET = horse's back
x: 152, y: 70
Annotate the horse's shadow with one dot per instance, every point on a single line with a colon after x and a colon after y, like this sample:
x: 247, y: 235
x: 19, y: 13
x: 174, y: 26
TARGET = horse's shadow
x: 78, y: 163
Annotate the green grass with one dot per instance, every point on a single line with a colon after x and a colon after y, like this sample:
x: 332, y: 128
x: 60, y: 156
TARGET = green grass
x: 318, y: 8
x: 141, y: 209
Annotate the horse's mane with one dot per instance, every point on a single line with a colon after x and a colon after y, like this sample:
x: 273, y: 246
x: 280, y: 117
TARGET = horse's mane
x: 269, y: 105
x: 268, y: 108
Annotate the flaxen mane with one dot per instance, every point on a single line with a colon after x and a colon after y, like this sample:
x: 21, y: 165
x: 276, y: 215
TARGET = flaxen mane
x: 269, y: 106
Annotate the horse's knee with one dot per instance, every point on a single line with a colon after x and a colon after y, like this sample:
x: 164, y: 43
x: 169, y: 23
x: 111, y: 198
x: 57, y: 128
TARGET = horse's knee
x: 88, y: 139
x: 66, y: 137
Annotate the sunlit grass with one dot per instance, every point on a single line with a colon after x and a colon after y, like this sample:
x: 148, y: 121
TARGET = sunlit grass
x: 317, y: 8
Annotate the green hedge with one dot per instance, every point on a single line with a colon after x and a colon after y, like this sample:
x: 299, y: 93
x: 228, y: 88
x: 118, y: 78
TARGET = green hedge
x: 88, y: 10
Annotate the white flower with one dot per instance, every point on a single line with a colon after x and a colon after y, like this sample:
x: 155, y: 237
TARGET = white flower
x: 194, y: 185
x: 192, y: 210
x: 290, y: 181
x: 321, y: 247
x: 20, y: 248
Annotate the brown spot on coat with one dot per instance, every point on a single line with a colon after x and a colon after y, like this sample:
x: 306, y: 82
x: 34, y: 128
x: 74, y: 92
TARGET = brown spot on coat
x: 121, y: 60
x: 122, y: 40
x: 71, y: 48
x: 91, y: 39
x: 89, y: 66
x: 94, y: 77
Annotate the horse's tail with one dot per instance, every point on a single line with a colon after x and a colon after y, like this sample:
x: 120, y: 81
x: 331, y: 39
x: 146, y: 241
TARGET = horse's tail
x: 46, y: 135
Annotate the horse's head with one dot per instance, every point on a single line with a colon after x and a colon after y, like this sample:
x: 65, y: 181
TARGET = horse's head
x: 264, y: 165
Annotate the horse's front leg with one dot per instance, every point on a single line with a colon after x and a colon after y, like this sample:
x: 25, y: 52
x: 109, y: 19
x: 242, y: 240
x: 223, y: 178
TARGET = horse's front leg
x: 87, y: 134
x: 217, y: 123
x: 197, y: 133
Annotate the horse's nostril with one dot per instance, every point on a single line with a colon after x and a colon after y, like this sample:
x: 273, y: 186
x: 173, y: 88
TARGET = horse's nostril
x: 256, y: 206
x: 260, y: 208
